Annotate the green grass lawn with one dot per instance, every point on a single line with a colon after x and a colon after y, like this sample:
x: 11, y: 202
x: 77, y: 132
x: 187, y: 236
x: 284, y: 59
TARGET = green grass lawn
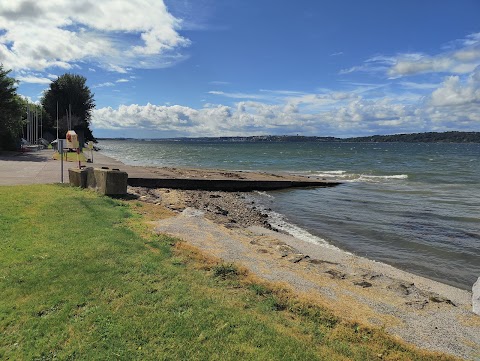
x: 81, y: 277
x: 72, y: 156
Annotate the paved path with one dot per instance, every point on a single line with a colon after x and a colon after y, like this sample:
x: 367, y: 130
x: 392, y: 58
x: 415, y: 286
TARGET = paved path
x: 40, y: 167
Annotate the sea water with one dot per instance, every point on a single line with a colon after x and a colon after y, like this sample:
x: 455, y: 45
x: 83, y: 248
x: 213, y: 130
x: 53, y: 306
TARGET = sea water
x: 414, y: 206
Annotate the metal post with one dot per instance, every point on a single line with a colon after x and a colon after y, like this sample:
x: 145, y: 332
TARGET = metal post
x: 36, y: 125
x: 28, y: 123
x: 57, y: 124
x: 25, y: 128
x: 60, y: 152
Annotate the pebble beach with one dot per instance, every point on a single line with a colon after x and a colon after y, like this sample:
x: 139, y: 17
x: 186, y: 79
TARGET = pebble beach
x: 423, y: 312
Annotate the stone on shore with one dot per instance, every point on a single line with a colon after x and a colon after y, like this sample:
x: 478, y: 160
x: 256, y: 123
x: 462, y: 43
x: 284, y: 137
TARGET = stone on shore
x: 476, y: 297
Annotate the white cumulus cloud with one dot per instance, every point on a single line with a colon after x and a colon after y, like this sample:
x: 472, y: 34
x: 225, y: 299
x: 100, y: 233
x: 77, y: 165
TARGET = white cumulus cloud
x: 460, y: 58
x: 32, y: 79
x: 454, y: 92
x: 115, y: 34
x: 451, y: 105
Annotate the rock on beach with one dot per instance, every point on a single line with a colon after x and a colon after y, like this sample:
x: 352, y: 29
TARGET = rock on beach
x: 476, y: 297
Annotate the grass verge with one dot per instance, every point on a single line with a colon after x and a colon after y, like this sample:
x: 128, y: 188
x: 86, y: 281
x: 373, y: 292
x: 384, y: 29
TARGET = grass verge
x: 71, y: 156
x: 82, y: 277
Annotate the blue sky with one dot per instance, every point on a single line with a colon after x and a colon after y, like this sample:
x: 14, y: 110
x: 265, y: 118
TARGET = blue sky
x: 243, y: 67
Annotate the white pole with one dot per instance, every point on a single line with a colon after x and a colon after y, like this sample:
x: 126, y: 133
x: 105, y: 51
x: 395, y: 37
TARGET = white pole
x: 37, y: 132
x: 25, y: 133
x: 60, y: 153
x: 36, y: 125
x: 57, y: 125
x: 29, y: 125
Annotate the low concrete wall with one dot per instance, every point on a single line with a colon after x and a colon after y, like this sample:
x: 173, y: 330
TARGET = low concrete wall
x: 104, y: 181
x: 114, y: 182
x: 78, y: 177
x: 110, y: 182
x: 228, y: 185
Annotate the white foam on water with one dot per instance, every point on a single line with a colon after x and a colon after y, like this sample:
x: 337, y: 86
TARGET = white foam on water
x: 382, y: 177
x: 344, y: 176
x: 331, y: 173
x: 336, y: 171
x: 264, y: 194
x: 278, y: 221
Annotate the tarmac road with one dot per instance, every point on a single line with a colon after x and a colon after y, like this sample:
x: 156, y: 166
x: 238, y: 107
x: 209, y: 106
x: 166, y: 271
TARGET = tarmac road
x: 39, y: 167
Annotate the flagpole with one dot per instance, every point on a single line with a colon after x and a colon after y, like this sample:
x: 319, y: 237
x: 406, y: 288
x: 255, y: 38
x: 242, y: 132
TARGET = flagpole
x: 57, y: 124
x: 36, y: 125
x: 29, y: 125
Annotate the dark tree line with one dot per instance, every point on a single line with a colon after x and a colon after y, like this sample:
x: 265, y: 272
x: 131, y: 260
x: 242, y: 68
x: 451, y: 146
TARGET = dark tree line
x: 11, y: 122
x: 427, y: 137
x: 71, y: 94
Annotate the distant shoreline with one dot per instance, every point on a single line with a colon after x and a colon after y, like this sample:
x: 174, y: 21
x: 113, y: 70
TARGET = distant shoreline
x: 427, y: 137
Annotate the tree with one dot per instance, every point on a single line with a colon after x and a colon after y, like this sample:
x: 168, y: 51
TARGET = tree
x: 69, y: 90
x: 10, y: 111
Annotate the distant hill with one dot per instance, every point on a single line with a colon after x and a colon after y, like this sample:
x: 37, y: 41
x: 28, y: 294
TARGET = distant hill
x: 430, y: 137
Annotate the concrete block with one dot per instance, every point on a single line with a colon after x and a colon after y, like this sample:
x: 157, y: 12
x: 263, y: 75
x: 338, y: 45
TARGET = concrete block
x: 91, y: 182
x: 78, y: 177
x: 110, y: 182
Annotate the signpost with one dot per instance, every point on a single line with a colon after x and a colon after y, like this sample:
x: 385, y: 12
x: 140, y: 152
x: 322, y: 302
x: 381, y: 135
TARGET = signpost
x: 60, y: 146
x: 72, y: 143
x: 90, y: 146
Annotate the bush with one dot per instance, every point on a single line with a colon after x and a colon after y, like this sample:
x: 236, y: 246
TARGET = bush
x: 226, y: 271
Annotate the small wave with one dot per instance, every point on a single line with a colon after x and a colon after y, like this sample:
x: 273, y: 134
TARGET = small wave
x: 331, y: 173
x: 395, y: 176
x: 263, y: 194
x: 355, y: 177
x: 278, y: 221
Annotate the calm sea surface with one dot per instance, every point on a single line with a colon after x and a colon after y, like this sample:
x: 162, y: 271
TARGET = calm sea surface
x: 414, y: 206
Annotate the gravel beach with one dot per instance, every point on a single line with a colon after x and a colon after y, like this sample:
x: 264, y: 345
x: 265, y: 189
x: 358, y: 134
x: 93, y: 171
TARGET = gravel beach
x: 231, y: 226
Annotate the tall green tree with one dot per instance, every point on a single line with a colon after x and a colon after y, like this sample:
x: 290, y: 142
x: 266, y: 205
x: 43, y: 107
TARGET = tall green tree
x: 10, y: 111
x: 69, y: 90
